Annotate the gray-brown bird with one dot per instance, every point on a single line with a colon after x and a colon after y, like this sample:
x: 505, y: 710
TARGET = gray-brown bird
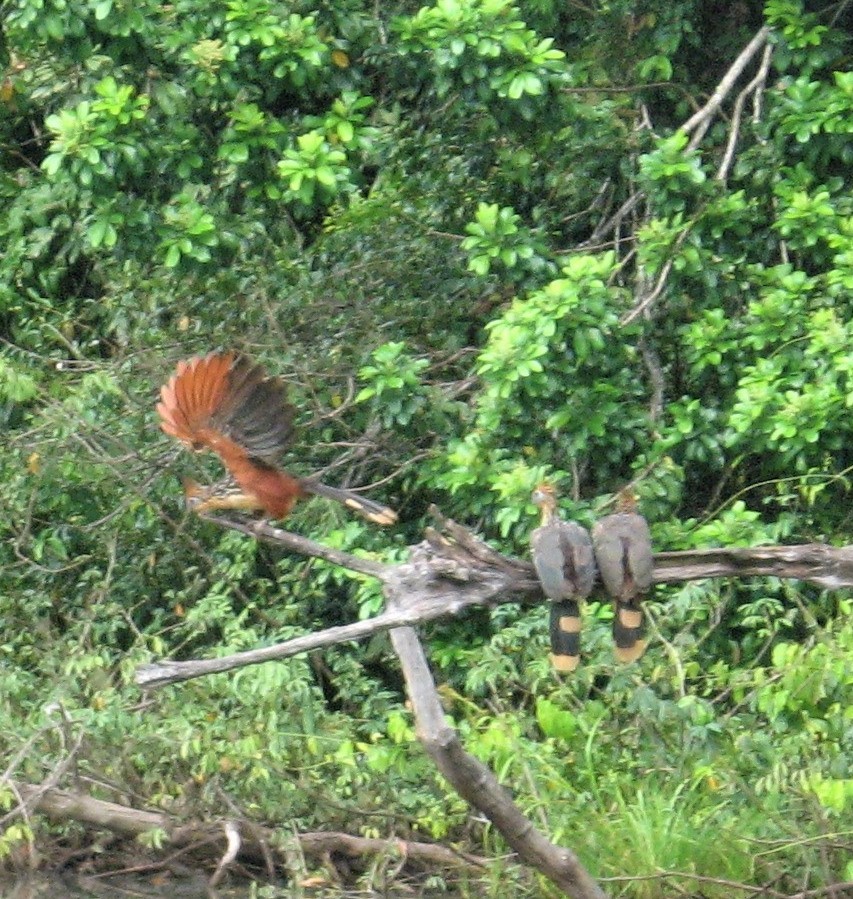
x: 565, y: 564
x: 623, y: 552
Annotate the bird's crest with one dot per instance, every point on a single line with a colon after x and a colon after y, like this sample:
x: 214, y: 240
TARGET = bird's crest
x: 626, y: 500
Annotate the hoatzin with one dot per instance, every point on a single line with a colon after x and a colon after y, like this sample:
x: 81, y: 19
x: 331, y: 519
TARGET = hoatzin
x: 623, y: 551
x: 565, y: 564
x: 226, y: 403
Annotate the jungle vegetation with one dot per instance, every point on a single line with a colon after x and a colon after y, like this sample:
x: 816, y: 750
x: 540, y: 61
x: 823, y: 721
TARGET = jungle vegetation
x: 486, y: 244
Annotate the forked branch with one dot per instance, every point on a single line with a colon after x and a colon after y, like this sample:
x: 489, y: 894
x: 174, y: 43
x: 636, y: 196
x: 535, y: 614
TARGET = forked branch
x: 453, y: 570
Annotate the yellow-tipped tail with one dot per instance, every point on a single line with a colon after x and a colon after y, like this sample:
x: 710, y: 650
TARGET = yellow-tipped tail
x: 628, y: 628
x: 565, y: 634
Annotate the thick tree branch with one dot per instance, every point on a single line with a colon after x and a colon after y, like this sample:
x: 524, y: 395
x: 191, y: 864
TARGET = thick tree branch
x: 454, y: 570
x: 829, y: 567
x: 475, y: 783
x: 451, y: 570
x: 443, y: 584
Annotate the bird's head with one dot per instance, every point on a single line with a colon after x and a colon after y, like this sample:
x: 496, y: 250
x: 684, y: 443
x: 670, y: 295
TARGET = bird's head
x: 544, y: 496
x: 626, y: 500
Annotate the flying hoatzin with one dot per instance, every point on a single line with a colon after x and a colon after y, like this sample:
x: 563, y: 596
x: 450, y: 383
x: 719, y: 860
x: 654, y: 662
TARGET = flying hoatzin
x: 226, y: 403
x: 565, y: 564
x: 623, y: 551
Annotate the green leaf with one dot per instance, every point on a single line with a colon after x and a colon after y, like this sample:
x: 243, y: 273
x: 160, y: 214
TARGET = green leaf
x: 173, y: 256
x: 554, y: 721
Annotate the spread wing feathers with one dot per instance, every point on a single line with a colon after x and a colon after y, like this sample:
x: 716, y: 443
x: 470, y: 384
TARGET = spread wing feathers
x: 224, y: 395
x: 565, y: 635
x: 564, y: 560
x: 226, y: 403
x: 190, y: 397
x: 623, y: 551
x: 255, y: 413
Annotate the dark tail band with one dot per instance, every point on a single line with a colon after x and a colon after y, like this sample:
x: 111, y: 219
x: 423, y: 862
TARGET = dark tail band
x: 628, y: 632
x: 565, y: 635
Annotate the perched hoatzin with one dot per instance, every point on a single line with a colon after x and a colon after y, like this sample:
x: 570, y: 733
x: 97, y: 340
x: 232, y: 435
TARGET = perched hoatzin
x: 226, y: 403
x: 623, y: 551
x: 565, y: 564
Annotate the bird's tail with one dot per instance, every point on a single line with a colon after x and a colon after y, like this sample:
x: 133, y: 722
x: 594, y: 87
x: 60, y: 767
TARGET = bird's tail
x: 628, y: 631
x: 367, y: 508
x: 565, y: 635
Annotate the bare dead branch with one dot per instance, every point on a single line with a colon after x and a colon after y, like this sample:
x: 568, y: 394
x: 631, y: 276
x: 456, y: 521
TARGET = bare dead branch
x: 444, y: 584
x: 160, y: 674
x: 454, y: 570
x: 232, y: 850
x: 475, y: 548
x: 263, y: 530
x: 703, y: 116
x: 754, y: 87
x: 474, y: 782
x: 829, y: 567
x: 213, y: 838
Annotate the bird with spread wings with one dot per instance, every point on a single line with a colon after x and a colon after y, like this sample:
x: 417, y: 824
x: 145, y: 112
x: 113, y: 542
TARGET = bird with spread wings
x: 226, y: 403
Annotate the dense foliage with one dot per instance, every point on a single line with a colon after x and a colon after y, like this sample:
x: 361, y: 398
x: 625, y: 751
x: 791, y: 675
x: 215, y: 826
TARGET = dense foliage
x: 479, y: 245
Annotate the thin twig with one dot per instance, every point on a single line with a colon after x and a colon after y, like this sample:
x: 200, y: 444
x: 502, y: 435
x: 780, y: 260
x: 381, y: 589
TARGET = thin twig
x: 263, y: 530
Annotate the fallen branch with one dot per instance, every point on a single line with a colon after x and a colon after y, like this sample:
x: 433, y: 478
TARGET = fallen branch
x: 443, y: 576
x: 452, y: 570
x: 217, y: 840
x: 232, y: 850
x: 829, y: 567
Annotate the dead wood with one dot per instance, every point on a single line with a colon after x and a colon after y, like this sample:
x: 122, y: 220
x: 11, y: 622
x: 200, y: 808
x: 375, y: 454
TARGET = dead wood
x: 453, y: 570
x: 209, y: 840
x: 475, y: 783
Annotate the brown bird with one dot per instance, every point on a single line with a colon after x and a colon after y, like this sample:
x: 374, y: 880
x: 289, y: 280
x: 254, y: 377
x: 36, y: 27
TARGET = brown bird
x: 226, y: 403
x: 565, y: 564
x: 623, y: 551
